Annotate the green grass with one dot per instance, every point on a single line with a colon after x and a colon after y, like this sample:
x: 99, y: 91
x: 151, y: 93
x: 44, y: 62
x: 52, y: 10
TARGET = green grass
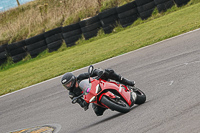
x: 49, y: 65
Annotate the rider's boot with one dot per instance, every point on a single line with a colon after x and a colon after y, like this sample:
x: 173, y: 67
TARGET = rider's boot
x: 133, y: 88
x: 126, y: 81
x: 111, y: 73
x: 98, y: 110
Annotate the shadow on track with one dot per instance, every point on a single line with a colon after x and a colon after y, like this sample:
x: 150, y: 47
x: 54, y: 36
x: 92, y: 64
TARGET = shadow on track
x: 99, y: 122
x: 102, y: 121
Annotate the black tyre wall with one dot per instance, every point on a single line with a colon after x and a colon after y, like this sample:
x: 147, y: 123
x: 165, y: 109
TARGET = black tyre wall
x: 70, y: 27
x: 3, y: 53
x: 162, y: 7
x: 34, y: 53
x: 55, y: 45
x: 128, y: 20
x: 90, y: 34
x: 146, y: 14
x: 126, y: 7
x: 181, y: 2
x: 3, y: 57
x: 108, y: 29
x: 53, y: 37
x: 157, y: 2
x: 145, y: 8
x: 108, y: 19
x: 89, y: 21
x: 72, y: 39
x: 14, y: 46
x: 71, y: 34
x: 18, y: 57
x: 3, y: 47
x: 17, y: 49
x: 36, y: 45
x: 90, y: 27
x: 142, y: 2
x: 53, y: 32
x: 127, y: 14
x: 35, y: 39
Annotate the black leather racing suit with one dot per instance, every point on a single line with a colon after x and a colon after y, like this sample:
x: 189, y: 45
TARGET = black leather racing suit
x: 108, y: 74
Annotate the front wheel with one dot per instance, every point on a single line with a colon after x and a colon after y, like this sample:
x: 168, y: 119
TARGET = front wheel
x: 115, y: 104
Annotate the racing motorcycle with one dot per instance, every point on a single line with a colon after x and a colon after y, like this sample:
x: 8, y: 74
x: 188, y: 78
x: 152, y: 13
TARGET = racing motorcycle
x: 108, y: 94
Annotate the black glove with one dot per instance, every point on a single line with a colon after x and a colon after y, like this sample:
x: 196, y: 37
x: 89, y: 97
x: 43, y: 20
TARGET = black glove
x: 86, y: 107
x: 83, y: 103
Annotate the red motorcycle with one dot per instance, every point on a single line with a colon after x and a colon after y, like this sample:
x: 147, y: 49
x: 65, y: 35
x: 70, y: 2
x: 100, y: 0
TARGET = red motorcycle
x: 109, y: 94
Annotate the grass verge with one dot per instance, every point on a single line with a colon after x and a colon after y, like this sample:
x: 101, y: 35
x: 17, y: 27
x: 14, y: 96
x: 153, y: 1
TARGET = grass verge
x: 37, y: 70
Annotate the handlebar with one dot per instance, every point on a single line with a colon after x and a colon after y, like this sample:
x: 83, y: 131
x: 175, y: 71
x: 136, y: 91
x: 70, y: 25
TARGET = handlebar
x: 74, y: 100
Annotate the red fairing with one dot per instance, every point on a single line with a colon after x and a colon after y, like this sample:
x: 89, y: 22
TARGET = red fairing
x: 122, y: 89
x: 109, y: 94
x: 105, y: 87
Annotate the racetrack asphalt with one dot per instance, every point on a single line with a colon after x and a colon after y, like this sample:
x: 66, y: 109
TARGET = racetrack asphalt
x: 168, y: 72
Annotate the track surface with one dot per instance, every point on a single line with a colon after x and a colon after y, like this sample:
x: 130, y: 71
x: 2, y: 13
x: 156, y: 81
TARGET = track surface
x: 168, y: 72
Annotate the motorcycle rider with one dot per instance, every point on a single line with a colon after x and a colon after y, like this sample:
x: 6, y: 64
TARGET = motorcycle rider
x: 71, y: 83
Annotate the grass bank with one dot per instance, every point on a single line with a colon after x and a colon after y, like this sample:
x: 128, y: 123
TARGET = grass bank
x: 100, y: 48
x: 39, y: 16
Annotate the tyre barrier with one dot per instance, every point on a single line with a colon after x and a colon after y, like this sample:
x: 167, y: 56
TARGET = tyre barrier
x: 54, y: 39
x: 181, y: 2
x: 90, y: 27
x: 127, y: 14
x: 107, y: 19
x: 17, y: 51
x: 145, y: 8
x: 71, y: 34
x: 163, y: 5
x: 3, y: 53
x: 35, y: 45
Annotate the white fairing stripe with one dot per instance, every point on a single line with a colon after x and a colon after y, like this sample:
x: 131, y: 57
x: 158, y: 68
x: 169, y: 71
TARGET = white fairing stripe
x: 120, y: 89
x: 97, y: 88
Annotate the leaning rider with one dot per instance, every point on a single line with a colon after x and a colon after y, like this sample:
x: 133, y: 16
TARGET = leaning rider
x: 71, y: 83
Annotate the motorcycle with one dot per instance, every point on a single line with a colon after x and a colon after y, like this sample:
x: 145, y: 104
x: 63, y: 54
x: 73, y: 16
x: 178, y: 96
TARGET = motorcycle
x: 108, y: 94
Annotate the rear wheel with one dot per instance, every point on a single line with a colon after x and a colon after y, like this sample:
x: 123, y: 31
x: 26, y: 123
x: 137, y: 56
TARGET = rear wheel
x: 115, y: 104
x: 141, y: 97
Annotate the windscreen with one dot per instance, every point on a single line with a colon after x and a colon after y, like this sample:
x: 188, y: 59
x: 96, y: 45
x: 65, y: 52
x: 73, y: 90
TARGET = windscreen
x: 85, y: 86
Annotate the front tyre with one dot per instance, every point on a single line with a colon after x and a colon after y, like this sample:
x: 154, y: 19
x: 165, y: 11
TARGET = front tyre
x: 115, y: 104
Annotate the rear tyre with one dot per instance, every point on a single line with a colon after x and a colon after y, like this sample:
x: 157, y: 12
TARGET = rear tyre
x: 115, y: 104
x: 141, y: 97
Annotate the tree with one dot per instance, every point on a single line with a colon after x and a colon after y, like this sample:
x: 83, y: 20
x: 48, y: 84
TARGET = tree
x: 18, y: 2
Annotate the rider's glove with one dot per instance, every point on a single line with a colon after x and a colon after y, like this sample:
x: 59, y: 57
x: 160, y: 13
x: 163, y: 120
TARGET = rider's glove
x: 83, y: 103
x: 86, y: 107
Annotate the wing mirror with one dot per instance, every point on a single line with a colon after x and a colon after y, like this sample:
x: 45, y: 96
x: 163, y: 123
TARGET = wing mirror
x: 90, y: 71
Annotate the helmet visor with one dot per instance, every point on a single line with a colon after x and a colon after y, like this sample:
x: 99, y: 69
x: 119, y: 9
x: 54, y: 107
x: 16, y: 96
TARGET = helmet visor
x: 70, y: 83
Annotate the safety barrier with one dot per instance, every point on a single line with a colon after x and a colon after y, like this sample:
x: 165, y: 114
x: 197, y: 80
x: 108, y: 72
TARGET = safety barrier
x: 107, y: 20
